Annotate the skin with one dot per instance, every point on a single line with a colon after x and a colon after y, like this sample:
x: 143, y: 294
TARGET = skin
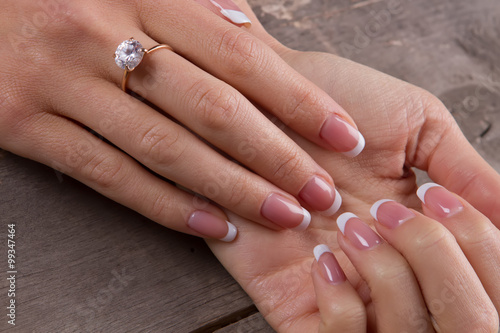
x: 52, y: 93
x: 36, y: 123
x: 405, y: 127
x: 281, y: 284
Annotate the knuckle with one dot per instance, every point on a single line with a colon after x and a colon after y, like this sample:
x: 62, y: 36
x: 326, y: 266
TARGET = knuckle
x: 434, y: 238
x: 240, y: 53
x: 352, y: 313
x: 160, y: 207
x: 480, y: 234
x: 160, y: 145
x: 214, y: 108
x: 288, y: 167
x: 396, y: 275
x: 104, y: 170
x: 306, y: 100
x: 238, y: 192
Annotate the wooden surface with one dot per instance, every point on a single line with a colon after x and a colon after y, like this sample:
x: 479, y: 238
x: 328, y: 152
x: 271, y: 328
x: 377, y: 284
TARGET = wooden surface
x: 86, y: 264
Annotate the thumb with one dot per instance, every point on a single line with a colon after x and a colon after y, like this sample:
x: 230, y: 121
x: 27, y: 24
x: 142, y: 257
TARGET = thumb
x: 455, y: 164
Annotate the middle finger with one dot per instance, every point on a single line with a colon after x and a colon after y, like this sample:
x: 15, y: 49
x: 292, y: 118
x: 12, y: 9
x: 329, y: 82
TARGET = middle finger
x: 221, y: 115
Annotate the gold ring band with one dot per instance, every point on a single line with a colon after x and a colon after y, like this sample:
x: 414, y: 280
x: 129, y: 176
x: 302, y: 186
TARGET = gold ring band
x: 130, y: 54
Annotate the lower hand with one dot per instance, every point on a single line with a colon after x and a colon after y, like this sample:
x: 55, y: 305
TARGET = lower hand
x: 436, y: 272
x: 404, y: 127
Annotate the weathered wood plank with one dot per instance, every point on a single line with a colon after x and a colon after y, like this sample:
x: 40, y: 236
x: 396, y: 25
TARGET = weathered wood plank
x: 73, y: 243
x: 253, y: 324
x: 86, y: 264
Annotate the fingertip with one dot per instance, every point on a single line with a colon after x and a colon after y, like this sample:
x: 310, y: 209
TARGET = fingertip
x: 320, y: 249
x: 342, y: 221
x: 423, y: 189
x: 306, y: 220
x: 374, y: 208
x: 359, y: 147
x: 232, y: 232
x: 335, y: 206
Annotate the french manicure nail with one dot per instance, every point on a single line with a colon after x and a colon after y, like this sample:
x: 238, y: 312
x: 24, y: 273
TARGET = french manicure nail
x: 342, y: 136
x: 321, y: 196
x: 439, y: 200
x: 230, y: 10
x: 358, y: 233
x: 285, y: 213
x: 390, y: 213
x: 328, y: 265
x: 212, y: 226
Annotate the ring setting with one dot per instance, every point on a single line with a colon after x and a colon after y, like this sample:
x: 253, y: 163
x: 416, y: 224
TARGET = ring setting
x: 130, y: 54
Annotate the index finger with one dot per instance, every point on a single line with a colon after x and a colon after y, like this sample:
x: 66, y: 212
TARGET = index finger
x: 478, y: 238
x: 248, y: 64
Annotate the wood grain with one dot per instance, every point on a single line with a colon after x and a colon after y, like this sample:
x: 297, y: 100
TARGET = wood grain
x: 87, y: 264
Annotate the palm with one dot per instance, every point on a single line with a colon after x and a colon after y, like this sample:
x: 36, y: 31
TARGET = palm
x: 274, y: 267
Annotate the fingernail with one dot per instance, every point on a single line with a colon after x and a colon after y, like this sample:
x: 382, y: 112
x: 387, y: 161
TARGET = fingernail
x: 342, y: 136
x: 212, y: 226
x: 285, y: 213
x: 328, y: 265
x: 230, y: 10
x: 321, y: 196
x: 390, y: 213
x: 439, y: 200
x: 358, y: 233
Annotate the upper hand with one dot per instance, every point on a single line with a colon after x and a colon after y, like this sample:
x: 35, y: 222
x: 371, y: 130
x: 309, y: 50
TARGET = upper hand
x: 61, y: 104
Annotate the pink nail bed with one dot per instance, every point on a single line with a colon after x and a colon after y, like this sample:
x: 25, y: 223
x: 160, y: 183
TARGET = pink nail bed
x: 390, y: 213
x: 321, y: 196
x: 439, y: 200
x: 342, y: 136
x: 212, y: 226
x: 358, y: 233
x: 285, y: 213
x: 328, y: 265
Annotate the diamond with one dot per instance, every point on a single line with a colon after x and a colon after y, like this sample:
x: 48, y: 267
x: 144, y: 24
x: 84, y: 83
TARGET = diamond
x: 129, y: 54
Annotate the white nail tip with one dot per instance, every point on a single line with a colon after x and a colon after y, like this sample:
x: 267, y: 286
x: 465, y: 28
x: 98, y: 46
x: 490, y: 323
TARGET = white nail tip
x: 335, y: 206
x: 424, y: 188
x: 375, y: 207
x: 342, y: 220
x: 235, y: 16
x: 231, y: 233
x: 320, y: 249
x: 305, y: 221
x: 359, y: 147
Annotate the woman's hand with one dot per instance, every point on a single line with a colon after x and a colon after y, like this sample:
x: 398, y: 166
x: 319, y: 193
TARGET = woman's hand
x: 404, y: 127
x: 436, y: 272
x: 60, y: 95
